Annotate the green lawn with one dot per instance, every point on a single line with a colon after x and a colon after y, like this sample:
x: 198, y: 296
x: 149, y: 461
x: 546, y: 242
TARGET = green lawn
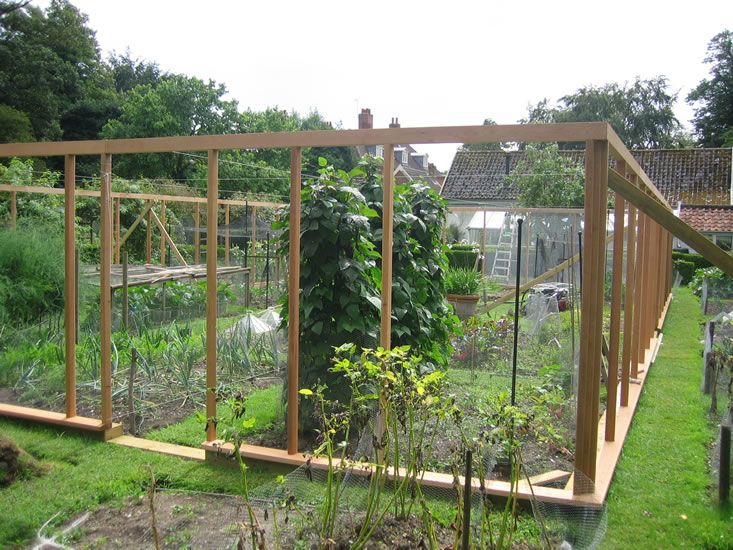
x: 86, y: 473
x: 661, y: 496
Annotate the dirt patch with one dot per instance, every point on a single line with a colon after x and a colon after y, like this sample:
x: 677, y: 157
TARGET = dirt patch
x: 195, y: 520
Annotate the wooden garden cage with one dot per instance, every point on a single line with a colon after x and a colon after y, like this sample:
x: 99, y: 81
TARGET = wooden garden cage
x: 650, y: 226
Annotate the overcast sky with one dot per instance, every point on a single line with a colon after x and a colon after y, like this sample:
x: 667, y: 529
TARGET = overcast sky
x: 430, y: 63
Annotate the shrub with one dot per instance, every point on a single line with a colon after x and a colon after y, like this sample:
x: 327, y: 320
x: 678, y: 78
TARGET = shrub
x: 697, y: 260
x: 31, y: 273
x: 462, y: 256
x: 719, y: 283
x: 685, y: 269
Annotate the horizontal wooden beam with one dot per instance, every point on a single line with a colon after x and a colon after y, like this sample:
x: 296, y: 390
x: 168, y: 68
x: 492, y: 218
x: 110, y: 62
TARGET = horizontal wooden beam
x: 137, y: 196
x: 59, y: 419
x: 570, y: 131
x: 181, y: 451
x: 516, y: 209
x: 618, y: 151
x: 429, y: 479
x: 666, y: 218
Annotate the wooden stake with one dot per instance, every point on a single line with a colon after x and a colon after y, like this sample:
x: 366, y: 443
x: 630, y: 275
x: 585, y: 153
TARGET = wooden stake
x: 197, y: 236
x: 615, y: 329
x: 162, y: 240
x: 166, y: 238
x: 596, y: 192
x: 105, y: 292
x: 125, y: 294
x: 70, y: 296
x: 296, y: 160
x: 212, y: 195
x: 629, y: 335
x: 226, y: 235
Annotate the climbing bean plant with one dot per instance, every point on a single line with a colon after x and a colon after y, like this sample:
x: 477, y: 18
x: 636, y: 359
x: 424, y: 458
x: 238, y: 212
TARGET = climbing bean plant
x: 340, y: 271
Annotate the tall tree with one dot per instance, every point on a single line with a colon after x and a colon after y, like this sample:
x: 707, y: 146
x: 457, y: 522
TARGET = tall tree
x: 641, y: 113
x: 178, y: 106
x: 49, y: 60
x: 714, y: 117
x: 547, y: 179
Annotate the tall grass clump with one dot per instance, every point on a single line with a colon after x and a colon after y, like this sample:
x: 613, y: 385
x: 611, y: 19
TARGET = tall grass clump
x: 31, y: 273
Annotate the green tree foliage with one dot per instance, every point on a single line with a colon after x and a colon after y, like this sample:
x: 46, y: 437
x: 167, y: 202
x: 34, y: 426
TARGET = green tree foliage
x: 49, y: 60
x: 641, y: 113
x: 546, y: 179
x: 128, y: 72
x: 714, y: 117
x: 14, y: 125
x: 178, y: 106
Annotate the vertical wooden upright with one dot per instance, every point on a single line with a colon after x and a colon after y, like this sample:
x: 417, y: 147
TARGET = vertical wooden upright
x: 162, y: 238
x: 637, y: 352
x: 117, y: 231
x: 591, y: 320
x: 629, y: 335
x: 226, y: 235
x: 212, y: 196
x: 385, y: 331
x: 615, y: 328
x: 105, y: 291
x: 13, y: 209
x: 253, y: 273
x: 197, y: 236
x: 149, y: 239
x: 296, y: 162
x: 70, y: 282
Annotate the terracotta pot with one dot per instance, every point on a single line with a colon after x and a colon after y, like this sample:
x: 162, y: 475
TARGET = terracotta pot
x: 464, y: 304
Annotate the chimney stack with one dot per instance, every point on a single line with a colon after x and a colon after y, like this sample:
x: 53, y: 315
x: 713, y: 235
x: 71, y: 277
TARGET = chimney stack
x: 366, y: 120
x: 394, y: 123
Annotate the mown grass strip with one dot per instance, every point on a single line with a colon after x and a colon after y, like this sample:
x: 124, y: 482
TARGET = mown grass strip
x: 661, y: 496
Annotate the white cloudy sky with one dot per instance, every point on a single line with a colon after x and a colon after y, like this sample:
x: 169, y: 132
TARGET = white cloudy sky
x: 430, y: 63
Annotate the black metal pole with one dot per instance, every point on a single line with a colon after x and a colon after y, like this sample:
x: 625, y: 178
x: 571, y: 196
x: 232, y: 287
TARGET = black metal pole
x: 246, y: 230
x: 267, y: 271
x: 516, y: 310
x: 536, y: 250
x: 580, y: 256
x: 468, y: 483
x: 724, y: 469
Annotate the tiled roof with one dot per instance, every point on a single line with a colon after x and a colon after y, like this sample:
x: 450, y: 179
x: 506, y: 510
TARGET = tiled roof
x: 708, y: 218
x: 700, y: 176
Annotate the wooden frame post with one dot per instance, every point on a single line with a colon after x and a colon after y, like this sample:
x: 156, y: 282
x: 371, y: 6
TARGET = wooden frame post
x: 254, y: 239
x: 70, y: 294
x: 385, y: 331
x: 226, y: 235
x: 162, y: 238
x: 591, y: 321
x: 296, y: 167
x: 615, y: 328
x: 13, y: 209
x: 197, y: 236
x: 105, y: 292
x: 149, y: 239
x: 637, y: 351
x: 212, y: 195
x: 118, y: 243
x: 629, y: 299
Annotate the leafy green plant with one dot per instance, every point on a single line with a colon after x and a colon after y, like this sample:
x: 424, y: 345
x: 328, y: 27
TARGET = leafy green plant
x: 462, y: 281
x: 462, y: 255
x: 31, y: 273
x: 719, y: 283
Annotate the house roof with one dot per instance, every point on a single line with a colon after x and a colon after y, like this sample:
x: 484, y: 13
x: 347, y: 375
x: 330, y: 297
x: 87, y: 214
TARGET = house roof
x: 708, y: 218
x: 700, y: 176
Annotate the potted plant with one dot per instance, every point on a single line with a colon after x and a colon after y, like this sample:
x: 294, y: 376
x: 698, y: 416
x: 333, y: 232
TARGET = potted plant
x: 462, y: 287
